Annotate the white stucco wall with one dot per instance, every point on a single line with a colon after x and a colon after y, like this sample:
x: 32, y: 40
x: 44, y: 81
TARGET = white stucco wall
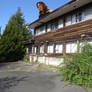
x: 47, y: 60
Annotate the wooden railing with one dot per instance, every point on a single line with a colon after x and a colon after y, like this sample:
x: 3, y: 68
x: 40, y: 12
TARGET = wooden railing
x: 71, y: 31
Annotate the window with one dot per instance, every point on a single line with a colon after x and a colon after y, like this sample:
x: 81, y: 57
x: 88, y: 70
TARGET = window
x: 32, y: 49
x: 48, y: 27
x: 35, y: 50
x: 59, y: 48
x: 37, y: 31
x: 90, y: 42
x: 82, y: 44
x: 54, y: 26
x: 74, y: 19
x: 68, y: 21
x: 71, y: 48
x: 42, y: 49
x: 50, y: 48
x: 88, y: 13
x: 28, y: 50
x: 40, y: 30
x: 79, y: 17
x: 60, y: 23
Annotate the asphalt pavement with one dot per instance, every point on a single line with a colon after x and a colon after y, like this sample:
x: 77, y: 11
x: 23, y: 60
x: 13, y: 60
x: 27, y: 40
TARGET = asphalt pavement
x: 14, y: 79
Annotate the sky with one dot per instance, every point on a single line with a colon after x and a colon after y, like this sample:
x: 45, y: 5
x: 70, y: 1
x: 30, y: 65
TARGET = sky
x: 28, y: 8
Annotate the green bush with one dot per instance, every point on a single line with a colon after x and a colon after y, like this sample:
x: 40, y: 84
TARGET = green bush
x: 26, y: 59
x: 78, y: 68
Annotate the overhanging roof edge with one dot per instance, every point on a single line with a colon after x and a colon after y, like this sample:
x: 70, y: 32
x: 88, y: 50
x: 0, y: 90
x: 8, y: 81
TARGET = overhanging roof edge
x: 38, y: 21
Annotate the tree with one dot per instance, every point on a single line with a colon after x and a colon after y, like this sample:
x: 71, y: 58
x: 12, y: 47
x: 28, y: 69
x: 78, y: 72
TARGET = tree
x: 0, y: 31
x: 12, y: 41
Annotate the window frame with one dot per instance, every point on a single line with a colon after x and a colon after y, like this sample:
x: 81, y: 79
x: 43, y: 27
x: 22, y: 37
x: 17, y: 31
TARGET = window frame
x: 49, y: 49
x: 71, y: 51
x: 57, y: 51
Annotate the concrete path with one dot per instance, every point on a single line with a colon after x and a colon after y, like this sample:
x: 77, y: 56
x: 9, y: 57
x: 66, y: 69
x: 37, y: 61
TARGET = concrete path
x: 14, y: 80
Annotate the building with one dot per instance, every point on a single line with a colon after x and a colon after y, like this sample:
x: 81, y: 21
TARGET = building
x: 60, y: 32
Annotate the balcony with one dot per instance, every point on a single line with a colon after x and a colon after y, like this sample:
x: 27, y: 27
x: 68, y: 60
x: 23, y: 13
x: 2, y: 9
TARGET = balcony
x: 69, y: 32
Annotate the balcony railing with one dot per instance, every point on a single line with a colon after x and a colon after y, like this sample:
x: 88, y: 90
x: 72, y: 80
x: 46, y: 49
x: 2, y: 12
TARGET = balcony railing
x: 71, y: 31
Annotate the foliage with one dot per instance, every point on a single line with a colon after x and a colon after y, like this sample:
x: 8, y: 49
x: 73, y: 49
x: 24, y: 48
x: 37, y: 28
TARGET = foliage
x: 0, y: 31
x: 78, y: 68
x: 26, y: 59
x: 12, y: 41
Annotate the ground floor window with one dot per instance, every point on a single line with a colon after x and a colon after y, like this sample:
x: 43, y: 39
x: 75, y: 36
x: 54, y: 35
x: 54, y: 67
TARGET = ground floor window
x: 58, y: 48
x: 90, y: 42
x: 42, y: 49
x: 34, y: 49
x: 50, y: 48
x: 28, y: 50
x: 82, y: 44
x: 71, y: 47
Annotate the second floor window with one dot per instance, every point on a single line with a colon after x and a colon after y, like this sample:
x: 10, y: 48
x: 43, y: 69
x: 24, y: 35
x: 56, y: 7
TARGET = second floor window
x: 68, y: 21
x: 54, y: 26
x: 48, y: 27
x: 40, y: 30
x: 79, y: 17
x: 88, y: 13
x: 74, y: 20
x: 60, y: 23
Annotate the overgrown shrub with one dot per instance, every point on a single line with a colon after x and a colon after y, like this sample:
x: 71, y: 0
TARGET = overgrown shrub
x: 78, y: 67
x: 26, y: 59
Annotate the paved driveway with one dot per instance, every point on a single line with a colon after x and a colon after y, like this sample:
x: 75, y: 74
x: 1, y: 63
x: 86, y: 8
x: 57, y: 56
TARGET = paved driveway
x: 14, y: 80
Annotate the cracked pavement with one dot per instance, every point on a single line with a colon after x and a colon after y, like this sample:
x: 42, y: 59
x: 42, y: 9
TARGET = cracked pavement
x: 19, y: 77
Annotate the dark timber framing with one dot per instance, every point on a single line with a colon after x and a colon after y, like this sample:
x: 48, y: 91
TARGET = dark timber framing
x: 67, y: 34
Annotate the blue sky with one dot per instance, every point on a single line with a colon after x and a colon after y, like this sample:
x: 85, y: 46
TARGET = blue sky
x: 28, y: 7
